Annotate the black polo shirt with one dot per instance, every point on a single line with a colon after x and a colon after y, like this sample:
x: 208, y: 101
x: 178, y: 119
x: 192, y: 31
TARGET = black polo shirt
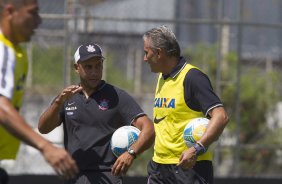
x: 198, y: 91
x: 90, y: 123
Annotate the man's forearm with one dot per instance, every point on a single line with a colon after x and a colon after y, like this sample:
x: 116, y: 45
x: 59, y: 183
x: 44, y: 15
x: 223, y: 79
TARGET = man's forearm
x: 147, y: 135
x: 50, y: 119
x: 16, y: 125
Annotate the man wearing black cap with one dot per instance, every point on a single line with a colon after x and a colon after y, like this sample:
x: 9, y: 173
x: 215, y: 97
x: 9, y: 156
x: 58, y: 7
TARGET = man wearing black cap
x: 90, y: 113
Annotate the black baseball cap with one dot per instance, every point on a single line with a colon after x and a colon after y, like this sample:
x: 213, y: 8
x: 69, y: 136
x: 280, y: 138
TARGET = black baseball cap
x: 87, y: 51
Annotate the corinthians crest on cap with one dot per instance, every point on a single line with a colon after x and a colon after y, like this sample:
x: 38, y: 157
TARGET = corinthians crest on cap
x: 90, y: 48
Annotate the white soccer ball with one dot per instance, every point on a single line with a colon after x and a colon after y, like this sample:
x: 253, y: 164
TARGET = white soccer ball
x: 123, y: 138
x: 194, y: 130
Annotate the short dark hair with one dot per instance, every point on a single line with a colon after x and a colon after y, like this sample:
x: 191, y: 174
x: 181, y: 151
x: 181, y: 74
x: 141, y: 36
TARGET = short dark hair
x: 16, y: 3
x: 163, y: 37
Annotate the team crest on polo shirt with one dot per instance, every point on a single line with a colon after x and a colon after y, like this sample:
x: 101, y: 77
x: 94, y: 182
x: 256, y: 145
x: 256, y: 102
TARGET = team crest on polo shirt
x: 104, y: 104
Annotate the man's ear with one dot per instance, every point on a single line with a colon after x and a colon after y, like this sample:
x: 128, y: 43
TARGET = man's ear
x: 160, y: 52
x: 9, y: 9
x: 75, y: 67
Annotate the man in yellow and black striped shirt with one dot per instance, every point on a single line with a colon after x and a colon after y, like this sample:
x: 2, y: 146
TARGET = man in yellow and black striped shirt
x: 18, y: 19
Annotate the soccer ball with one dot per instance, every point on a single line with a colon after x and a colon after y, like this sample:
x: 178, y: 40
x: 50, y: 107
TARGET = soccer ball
x: 194, y: 130
x: 123, y: 138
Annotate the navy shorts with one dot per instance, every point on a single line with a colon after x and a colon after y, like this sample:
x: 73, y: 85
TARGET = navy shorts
x: 201, y: 173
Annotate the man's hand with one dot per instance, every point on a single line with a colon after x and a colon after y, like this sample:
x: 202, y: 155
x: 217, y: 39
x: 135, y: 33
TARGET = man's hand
x: 188, y: 158
x: 60, y: 160
x: 68, y: 93
x: 122, y: 164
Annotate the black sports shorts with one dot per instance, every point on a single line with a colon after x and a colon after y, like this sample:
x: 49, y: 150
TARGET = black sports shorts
x: 91, y: 177
x: 201, y: 173
x: 4, y: 177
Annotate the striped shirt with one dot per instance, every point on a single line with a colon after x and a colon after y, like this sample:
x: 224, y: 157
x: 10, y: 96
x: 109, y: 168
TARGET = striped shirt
x: 13, y: 72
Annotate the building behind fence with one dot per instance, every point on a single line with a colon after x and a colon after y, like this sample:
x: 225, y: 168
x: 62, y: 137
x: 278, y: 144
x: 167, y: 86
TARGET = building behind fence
x: 252, y: 29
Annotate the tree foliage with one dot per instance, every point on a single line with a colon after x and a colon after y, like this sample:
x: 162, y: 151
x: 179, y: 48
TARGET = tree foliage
x: 259, y: 95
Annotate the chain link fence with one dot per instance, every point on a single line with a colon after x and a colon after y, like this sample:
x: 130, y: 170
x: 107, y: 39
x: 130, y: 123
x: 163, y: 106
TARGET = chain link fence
x: 237, y: 43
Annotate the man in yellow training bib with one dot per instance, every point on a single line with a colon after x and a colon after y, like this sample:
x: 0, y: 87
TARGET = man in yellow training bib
x: 182, y: 93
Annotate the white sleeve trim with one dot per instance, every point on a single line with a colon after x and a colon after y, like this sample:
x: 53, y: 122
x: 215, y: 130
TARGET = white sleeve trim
x: 137, y: 116
x: 217, y: 105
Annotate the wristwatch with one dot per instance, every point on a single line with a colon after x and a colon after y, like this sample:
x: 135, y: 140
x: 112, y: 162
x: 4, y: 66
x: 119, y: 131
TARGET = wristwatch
x: 200, y: 149
x: 131, y: 152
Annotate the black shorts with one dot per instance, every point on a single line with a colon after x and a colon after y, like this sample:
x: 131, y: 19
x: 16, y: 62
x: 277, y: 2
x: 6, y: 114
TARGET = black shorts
x: 91, y: 177
x: 201, y: 173
x: 4, y: 177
